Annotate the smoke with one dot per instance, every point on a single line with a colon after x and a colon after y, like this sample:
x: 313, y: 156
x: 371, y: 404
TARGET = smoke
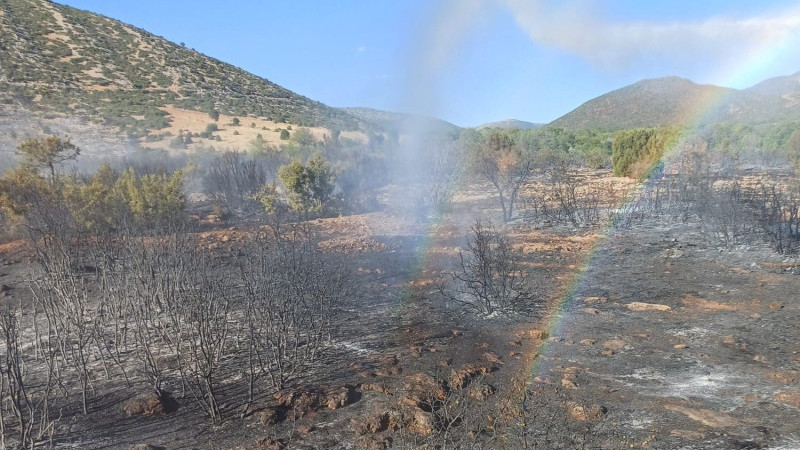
x: 575, y: 28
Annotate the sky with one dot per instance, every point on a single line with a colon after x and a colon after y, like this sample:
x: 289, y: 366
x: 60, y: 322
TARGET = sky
x: 476, y: 61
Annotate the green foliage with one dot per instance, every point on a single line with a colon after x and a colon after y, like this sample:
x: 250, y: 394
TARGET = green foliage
x: 47, y: 152
x: 235, y: 122
x: 212, y: 127
x: 284, y: 135
x: 636, y: 151
x: 51, y: 75
x: 177, y: 142
x: 268, y: 196
x: 23, y: 188
x: 302, y: 137
x: 309, y: 188
x: 152, y: 199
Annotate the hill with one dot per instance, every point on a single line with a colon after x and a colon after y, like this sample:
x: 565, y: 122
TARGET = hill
x: 673, y: 101
x: 61, y: 62
x: 401, y: 123
x: 649, y: 103
x: 511, y: 123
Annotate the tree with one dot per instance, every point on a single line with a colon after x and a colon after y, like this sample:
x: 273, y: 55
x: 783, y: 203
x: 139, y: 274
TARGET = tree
x: 235, y: 122
x: 214, y: 115
x: 499, y: 159
x: 634, y: 152
x: 284, y: 135
x: 47, y: 152
x: 310, y: 187
x: 794, y: 149
x: 488, y: 277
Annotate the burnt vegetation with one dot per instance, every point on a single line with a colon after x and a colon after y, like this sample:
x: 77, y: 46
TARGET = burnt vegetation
x: 124, y: 293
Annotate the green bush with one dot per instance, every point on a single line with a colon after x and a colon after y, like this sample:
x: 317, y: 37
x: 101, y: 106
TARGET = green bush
x: 634, y: 152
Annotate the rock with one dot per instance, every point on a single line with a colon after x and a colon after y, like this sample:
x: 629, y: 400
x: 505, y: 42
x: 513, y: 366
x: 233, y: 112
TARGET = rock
x: 371, y: 424
x: 614, y: 344
x: 480, y: 391
x: 422, y: 423
x: 422, y: 390
x: 534, y: 334
x: 147, y: 447
x: 271, y: 416
x: 145, y: 404
x: 641, y: 306
x: 339, y: 397
x: 707, y: 417
x: 594, y: 300
x: 680, y: 346
x: 460, y: 377
x: 586, y: 413
x: 789, y: 397
x: 592, y: 311
x: 271, y: 443
x: 493, y: 358
x: 375, y: 387
x: 706, y: 305
x: 588, y: 341
x: 307, y: 399
x: 568, y: 383
x: 305, y: 428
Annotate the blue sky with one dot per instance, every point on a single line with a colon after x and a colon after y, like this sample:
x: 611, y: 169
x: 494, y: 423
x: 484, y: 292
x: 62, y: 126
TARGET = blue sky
x: 476, y: 61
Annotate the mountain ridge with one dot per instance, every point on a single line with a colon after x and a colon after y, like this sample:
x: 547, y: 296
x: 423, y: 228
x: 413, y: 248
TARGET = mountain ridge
x: 676, y: 101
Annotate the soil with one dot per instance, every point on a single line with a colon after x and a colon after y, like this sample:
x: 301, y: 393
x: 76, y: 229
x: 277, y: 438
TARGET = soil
x: 655, y: 331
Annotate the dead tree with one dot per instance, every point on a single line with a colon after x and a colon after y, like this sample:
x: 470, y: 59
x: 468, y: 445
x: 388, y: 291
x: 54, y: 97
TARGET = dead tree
x: 488, y: 277
x: 28, y: 398
x: 291, y: 297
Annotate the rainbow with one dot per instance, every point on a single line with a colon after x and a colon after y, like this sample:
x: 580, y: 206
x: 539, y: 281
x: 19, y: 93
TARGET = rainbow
x: 694, y: 114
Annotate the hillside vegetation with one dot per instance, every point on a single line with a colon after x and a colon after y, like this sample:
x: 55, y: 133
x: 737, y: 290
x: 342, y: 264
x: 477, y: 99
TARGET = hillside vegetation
x: 58, y: 59
x: 673, y: 101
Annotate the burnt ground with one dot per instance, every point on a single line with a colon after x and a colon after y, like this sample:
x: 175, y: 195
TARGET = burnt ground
x: 707, y: 358
x: 717, y: 369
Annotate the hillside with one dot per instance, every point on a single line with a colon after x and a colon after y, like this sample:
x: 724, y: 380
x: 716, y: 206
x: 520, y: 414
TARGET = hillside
x: 649, y: 103
x: 511, y: 123
x: 387, y: 121
x: 58, y: 61
x: 676, y: 101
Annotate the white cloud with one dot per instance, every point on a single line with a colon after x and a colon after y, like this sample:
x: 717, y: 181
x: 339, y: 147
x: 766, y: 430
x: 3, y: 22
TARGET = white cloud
x: 572, y: 27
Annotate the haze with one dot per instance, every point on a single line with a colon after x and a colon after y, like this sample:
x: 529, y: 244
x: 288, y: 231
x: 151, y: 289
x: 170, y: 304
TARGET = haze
x: 472, y: 62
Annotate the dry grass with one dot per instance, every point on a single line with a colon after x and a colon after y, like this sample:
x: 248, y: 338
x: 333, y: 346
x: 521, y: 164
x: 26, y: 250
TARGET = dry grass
x: 196, y: 122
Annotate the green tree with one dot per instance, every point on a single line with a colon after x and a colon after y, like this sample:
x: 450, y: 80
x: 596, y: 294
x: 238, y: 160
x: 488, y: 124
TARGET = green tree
x: 309, y: 188
x: 22, y: 188
x: 235, y: 121
x: 47, y: 152
x: 793, y: 148
x: 634, y: 152
x: 153, y: 199
x: 284, y: 135
x: 214, y: 115
x: 95, y: 206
